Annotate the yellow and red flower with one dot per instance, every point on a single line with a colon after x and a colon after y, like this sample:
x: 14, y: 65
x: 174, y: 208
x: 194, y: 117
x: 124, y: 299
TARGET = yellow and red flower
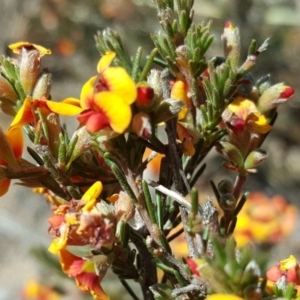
x: 37, y: 291
x: 264, y: 219
x: 104, y: 101
x: 247, y: 117
x: 84, y: 273
x: 289, y: 268
x: 81, y: 224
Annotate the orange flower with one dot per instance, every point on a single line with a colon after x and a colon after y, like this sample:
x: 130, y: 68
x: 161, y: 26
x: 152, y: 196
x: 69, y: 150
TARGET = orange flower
x: 264, y: 220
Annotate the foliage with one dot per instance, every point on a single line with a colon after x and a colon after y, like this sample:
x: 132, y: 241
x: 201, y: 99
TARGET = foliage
x: 107, y: 212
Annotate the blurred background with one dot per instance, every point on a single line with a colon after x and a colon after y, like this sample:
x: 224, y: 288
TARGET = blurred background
x: 68, y: 28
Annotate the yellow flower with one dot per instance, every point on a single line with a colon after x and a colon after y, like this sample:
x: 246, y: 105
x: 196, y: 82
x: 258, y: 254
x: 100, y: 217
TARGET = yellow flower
x: 248, y: 117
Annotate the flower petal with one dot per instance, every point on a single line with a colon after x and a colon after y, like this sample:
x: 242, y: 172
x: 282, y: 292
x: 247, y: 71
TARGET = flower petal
x: 90, y: 282
x: 84, y: 273
x: 179, y: 91
x: 258, y: 123
x: 17, y: 48
x: 73, y: 101
x: 15, y: 138
x: 87, y: 93
x: 120, y: 83
x: 64, y: 108
x: 24, y: 115
x: 117, y: 111
x: 242, y: 107
x: 105, y: 61
x: 288, y: 263
x: 94, y: 121
x: 90, y: 197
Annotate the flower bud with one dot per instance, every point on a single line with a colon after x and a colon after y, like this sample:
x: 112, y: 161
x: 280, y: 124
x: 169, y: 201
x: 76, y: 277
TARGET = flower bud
x: 167, y: 110
x: 255, y: 158
x: 30, y: 63
x: 141, y: 125
x: 225, y: 186
x: 29, y: 69
x: 227, y: 202
x: 273, y: 96
x: 7, y: 92
x: 145, y: 95
x: 180, y: 91
x: 82, y: 142
x: 230, y: 152
x: 263, y: 83
x: 54, y: 129
x: 154, y: 80
x: 42, y: 87
x: 231, y: 44
x: 7, y: 108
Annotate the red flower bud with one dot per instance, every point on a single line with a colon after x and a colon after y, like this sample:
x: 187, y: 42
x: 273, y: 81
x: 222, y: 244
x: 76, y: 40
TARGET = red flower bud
x: 145, y: 95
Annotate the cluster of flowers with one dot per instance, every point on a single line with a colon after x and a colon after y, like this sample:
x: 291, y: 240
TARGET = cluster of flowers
x: 86, y: 230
